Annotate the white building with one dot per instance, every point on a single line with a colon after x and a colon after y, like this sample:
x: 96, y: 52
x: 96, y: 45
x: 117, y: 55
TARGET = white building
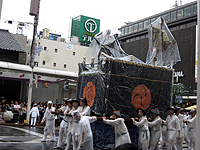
x: 59, y: 55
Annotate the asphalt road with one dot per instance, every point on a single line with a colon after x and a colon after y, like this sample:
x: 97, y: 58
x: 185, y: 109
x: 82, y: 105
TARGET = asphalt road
x: 25, y: 138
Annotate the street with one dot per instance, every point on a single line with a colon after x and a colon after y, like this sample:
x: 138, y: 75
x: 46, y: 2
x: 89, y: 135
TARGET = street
x: 25, y: 138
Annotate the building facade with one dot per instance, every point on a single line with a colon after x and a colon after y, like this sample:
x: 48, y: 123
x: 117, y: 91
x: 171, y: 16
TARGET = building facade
x: 59, y: 55
x: 182, y: 22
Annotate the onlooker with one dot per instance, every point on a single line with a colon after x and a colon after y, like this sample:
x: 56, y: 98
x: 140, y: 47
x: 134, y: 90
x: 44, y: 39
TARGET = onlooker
x: 16, y: 106
x: 34, y: 114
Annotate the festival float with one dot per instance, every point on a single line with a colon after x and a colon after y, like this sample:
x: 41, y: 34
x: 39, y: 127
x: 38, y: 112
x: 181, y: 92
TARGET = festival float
x: 110, y: 79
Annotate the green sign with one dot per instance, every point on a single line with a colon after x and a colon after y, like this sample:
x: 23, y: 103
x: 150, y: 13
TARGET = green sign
x: 85, y: 28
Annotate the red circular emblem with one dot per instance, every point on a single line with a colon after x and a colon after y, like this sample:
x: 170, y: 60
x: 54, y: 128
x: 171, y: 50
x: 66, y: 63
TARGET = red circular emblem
x: 141, y: 97
x: 89, y: 93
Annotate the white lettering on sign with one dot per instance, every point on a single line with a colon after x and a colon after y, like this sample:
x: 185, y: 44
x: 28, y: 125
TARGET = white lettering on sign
x: 89, y: 25
x: 87, y: 38
x: 178, y: 74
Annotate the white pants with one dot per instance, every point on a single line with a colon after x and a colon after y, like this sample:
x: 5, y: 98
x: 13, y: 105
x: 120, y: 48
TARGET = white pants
x: 76, y: 141
x: 192, y: 144
x: 69, y: 140
x: 179, y: 143
x: 49, y: 128
x: 62, y: 132
x: 33, y: 120
x: 88, y: 145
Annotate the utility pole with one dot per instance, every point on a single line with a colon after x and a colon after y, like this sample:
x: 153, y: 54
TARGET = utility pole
x: 34, y: 11
x: 197, y: 144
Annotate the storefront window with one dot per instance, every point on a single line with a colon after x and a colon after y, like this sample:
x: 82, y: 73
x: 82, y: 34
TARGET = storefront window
x: 166, y: 17
x: 126, y: 30
x: 141, y: 25
x: 135, y: 27
x: 119, y: 32
x: 122, y: 31
x: 146, y: 23
x: 179, y: 13
x: 130, y: 30
x: 187, y: 11
x: 195, y: 9
x: 153, y: 19
x: 173, y: 15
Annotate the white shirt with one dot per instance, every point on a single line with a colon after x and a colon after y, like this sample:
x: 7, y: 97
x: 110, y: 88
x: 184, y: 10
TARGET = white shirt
x: 86, y: 111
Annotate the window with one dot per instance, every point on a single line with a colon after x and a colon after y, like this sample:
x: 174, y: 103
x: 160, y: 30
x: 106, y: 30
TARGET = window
x: 179, y: 13
x: 122, y: 31
x: 135, y: 27
x: 74, y: 53
x: 38, y: 54
x: 36, y: 64
x: 166, y: 17
x: 126, y: 30
x: 153, y: 19
x: 56, y: 50
x: 141, y: 25
x: 195, y: 9
x: 187, y: 11
x: 43, y: 63
x: 130, y: 30
x: 173, y: 15
x: 45, y: 48
x: 54, y: 64
x: 65, y: 66
x: 146, y: 23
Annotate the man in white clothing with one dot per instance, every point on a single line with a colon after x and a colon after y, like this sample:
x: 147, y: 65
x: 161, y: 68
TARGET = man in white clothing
x: 34, y: 114
x: 179, y: 141
x: 64, y: 124
x: 173, y: 127
x: 49, y: 118
x: 121, y: 131
x: 182, y: 111
x: 144, y: 137
x: 86, y: 140
x: 191, y: 126
x: 73, y: 130
x: 155, y: 129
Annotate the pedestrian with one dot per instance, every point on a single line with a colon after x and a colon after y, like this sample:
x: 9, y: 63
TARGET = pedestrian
x: 64, y: 123
x: 164, y: 135
x: 182, y: 111
x: 121, y: 131
x: 173, y: 127
x: 179, y: 141
x: 85, y: 109
x: 34, y: 112
x: 144, y: 136
x: 155, y: 126
x: 73, y: 130
x: 86, y: 137
x: 49, y: 118
x: 191, y: 126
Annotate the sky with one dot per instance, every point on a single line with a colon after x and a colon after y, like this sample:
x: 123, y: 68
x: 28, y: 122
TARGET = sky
x: 56, y: 14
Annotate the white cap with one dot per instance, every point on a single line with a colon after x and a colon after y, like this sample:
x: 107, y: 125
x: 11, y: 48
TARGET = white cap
x: 49, y: 102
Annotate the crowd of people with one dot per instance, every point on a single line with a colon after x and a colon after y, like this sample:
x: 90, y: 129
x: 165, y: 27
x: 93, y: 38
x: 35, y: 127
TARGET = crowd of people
x: 73, y: 117
x: 19, y: 111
